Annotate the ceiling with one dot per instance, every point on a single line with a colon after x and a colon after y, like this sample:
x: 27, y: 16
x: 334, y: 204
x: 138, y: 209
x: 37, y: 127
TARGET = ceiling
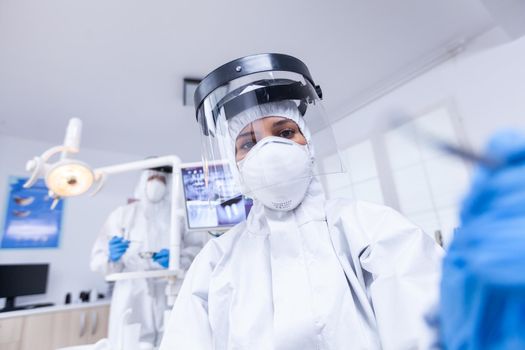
x: 119, y: 64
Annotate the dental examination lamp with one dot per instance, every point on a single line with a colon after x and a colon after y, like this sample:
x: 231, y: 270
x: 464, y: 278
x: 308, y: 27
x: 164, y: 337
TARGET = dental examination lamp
x: 68, y: 177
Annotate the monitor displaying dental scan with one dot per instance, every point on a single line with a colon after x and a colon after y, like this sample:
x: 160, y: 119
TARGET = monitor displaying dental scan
x: 216, y: 205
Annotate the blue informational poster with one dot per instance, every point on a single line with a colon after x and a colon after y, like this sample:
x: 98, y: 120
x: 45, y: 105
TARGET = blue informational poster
x: 29, y: 220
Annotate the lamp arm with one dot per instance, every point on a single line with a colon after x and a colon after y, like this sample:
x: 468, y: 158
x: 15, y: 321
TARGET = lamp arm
x: 57, y: 149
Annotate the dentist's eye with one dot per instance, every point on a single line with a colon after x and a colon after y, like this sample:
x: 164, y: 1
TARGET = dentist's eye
x: 287, y: 133
x: 247, y: 145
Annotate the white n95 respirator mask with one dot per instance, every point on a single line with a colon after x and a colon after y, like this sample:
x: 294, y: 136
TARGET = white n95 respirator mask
x: 155, y: 190
x: 277, y: 172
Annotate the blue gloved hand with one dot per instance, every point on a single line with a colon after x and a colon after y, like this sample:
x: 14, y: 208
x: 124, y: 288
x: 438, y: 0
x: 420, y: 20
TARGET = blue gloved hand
x: 497, y: 193
x: 483, y: 284
x: 117, y: 248
x: 162, y: 258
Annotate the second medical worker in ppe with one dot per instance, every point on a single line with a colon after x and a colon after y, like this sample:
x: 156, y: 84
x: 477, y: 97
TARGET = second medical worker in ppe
x: 302, y: 272
x: 135, y: 237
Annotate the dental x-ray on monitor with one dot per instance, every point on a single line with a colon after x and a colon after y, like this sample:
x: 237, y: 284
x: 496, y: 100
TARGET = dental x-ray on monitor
x: 216, y: 205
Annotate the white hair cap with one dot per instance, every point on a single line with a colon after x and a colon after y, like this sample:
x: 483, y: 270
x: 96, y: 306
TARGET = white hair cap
x: 286, y: 109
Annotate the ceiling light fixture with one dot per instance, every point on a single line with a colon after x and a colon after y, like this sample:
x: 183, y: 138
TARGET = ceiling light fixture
x: 188, y: 90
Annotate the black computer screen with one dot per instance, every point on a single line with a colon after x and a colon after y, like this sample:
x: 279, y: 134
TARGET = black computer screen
x: 19, y: 280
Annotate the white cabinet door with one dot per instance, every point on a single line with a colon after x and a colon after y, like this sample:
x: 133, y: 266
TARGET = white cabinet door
x: 62, y: 329
x: 80, y: 331
x: 76, y: 327
x: 10, y: 330
x: 37, y: 332
x: 98, y: 323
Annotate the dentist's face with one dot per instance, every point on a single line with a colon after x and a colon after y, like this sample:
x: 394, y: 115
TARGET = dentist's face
x: 264, y: 127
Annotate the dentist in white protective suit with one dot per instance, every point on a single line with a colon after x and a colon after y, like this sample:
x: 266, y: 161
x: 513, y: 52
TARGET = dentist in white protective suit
x: 302, y: 272
x: 136, y: 237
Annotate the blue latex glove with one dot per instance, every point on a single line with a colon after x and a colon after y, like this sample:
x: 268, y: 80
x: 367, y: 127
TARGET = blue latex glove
x: 483, y: 284
x: 117, y: 248
x: 162, y: 258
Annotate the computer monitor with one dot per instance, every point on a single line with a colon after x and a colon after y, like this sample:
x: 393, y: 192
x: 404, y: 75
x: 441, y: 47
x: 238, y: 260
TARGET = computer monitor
x: 21, y: 280
x: 215, y: 206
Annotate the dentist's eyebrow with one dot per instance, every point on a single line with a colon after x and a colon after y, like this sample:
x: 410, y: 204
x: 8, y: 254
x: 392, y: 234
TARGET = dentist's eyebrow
x: 283, y: 121
x: 247, y: 133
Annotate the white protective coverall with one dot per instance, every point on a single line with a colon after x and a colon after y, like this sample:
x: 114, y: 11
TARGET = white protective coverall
x: 327, y: 275
x: 146, y: 224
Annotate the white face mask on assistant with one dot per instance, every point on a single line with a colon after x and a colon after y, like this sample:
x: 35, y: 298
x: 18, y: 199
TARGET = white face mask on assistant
x: 277, y: 172
x: 155, y: 190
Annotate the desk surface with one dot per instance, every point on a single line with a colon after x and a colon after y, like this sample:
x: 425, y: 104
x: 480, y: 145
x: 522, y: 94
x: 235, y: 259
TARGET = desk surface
x: 55, y: 308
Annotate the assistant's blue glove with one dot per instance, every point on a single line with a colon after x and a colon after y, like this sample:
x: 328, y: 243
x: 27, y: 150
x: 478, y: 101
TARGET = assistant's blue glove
x: 162, y: 258
x: 483, y: 284
x: 117, y: 248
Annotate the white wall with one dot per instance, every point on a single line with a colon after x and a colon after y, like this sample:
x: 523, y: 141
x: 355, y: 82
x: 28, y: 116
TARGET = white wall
x: 485, y: 84
x: 83, y: 217
x: 483, y: 87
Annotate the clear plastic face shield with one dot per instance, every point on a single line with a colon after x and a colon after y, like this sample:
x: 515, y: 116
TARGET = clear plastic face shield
x: 264, y: 124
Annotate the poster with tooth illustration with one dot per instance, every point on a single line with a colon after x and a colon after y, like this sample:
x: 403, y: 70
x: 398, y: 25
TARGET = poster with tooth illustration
x: 29, y: 221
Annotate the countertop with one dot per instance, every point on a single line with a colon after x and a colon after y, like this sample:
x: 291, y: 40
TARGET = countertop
x: 54, y: 308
